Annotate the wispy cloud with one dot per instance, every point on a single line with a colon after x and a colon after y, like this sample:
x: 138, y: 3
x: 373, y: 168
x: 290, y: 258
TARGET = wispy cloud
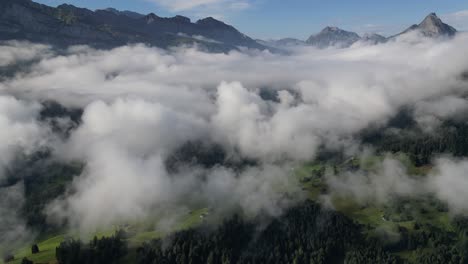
x: 198, y: 5
x: 457, y: 19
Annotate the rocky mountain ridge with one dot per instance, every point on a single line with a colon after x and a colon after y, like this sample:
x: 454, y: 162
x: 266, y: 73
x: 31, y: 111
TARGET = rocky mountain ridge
x: 432, y: 27
x: 69, y: 25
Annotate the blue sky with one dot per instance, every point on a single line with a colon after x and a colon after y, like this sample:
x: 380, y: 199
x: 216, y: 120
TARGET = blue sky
x: 297, y: 18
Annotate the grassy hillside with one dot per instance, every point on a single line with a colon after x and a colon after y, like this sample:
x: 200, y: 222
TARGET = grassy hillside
x: 387, y: 222
x: 410, y: 216
x: 138, y: 233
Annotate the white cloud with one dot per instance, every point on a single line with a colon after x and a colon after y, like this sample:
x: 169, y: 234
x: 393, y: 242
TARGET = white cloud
x: 15, y: 51
x: 143, y: 103
x: 180, y: 5
x: 430, y: 114
x: 390, y: 179
x: 202, y: 5
x: 449, y: 182
x: 240, y: 5
x: 387, y: 181
x: 458, y: 19
x: 20, y: 133
x: 125, y: 144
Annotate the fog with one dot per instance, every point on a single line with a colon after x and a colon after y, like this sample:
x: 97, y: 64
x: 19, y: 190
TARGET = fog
x: 14, y: 52
x: 385, y: 182
x: 449, y: 182
x: 13, y: 229
x: 20, y: 131
x: 141, y: 104
x: 390, y: 179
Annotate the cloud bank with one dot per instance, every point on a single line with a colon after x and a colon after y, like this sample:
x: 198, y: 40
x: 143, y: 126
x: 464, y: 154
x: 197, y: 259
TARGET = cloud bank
x: 204, y: 8
x: 20, y: 132
x: 142, y: 104
x: 390, y: 180
x: 459, y: 19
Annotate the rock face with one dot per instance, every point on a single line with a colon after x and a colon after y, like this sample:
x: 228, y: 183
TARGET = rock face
x: 333, y: 36
x: 124, y: 13
x: 433, y: 27
x: 373, y: 38
x: 70, y: 25
x: 282, y: 43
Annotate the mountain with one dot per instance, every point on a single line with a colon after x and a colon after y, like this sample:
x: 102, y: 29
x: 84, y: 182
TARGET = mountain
x: 373, y: 38
x: 432, y: 26
x: 282, y: 43
x: 330, y: 36
x: 69, y: 25
x: 124, y: 13
x: 333, y: 36
x: 290, y: 42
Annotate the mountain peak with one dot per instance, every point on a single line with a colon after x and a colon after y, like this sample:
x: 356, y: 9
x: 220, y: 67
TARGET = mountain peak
x: 151, y: 17
x: 209, y: 21
x: 432, y: 15
x: 126, y: 13
x: 112, y: 10
x: 214, y: 23
x: 333, y: 36
x: 182, y: 19
x: 330, y: 29
x: 67, y: 7
x: 432, y: 26
x: 431, y: 20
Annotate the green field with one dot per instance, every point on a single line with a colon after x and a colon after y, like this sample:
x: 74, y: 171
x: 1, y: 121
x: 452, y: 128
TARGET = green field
x: 376, y: 219
x: 372, y: 216
x: 137, y: 234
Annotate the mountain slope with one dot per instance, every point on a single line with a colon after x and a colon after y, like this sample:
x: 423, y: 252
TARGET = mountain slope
x: 333, y: 36
x: 124, y: 13
x: 282, y: 43
x: 373, y: 38
x: 70, y: 25
x: 432, y: 26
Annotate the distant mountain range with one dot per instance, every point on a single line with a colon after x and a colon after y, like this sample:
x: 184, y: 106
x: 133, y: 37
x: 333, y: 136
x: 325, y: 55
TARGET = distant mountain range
x: 333, y: 36
x: 432, y: 26
x: 69, y: 25
x: 373, y: 38
x: 282, y: 43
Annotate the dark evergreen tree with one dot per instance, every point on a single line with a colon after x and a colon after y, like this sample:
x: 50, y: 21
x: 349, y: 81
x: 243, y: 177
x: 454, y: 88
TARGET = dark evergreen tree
x: 34, y: 249
x: 26, y: 261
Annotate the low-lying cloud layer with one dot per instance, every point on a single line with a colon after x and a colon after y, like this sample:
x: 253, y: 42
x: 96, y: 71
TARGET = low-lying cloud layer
x: 142, y: 104
x: 13, y: 229
x: 15, y: 52
x: 20, y: 132
x: 391, y: 180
